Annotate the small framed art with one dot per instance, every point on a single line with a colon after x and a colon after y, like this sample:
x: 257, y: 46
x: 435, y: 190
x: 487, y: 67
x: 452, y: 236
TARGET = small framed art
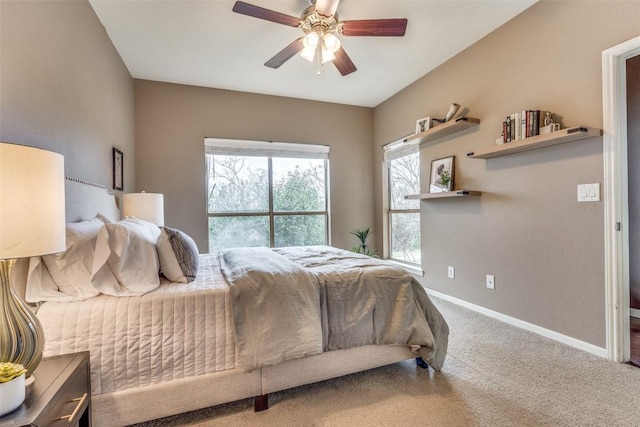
x: 441, y: 178
x: 423, y: 124
x: 118, y: 163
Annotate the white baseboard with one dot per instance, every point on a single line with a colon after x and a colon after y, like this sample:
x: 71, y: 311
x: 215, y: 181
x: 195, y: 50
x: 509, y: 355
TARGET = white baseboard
x: 547, y: 333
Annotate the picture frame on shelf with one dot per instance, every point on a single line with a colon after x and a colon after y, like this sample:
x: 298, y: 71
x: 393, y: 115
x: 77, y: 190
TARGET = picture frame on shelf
x: 118, y: 169
x: 423, y: 124
x: 441, y: 176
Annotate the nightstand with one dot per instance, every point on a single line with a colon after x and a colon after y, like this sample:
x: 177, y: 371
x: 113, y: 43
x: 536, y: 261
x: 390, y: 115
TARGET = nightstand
x: 60, y: 395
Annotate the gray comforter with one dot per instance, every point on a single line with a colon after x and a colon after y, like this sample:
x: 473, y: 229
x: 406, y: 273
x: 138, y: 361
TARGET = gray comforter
x: 290, y: 303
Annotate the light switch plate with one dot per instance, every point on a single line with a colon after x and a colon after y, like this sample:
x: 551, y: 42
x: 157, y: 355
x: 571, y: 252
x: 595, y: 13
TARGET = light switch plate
x: 589, y: 192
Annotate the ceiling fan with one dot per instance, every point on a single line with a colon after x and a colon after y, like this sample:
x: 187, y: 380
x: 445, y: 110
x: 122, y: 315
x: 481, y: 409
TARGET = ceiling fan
x: 320, y: 24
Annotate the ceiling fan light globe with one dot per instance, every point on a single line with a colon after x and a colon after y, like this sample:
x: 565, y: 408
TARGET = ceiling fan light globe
x: 310, y: 41
x: 327, y: 56
x: 331, y: 42
x: 308, y: 53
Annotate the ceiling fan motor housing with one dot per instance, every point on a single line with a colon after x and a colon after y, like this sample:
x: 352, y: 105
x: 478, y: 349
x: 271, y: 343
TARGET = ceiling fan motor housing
x: 311, y: 20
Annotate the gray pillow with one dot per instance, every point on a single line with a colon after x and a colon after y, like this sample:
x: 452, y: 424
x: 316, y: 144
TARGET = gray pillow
x: 178, y: 254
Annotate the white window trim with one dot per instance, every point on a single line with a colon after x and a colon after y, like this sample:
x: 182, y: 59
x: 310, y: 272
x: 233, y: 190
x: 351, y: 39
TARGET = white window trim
x: 410, y: 268
x: 239, y: 147
x: 390, y: 151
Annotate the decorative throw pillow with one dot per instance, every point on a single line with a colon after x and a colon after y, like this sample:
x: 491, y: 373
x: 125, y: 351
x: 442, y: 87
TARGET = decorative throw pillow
x: 71, y: 269
x: 127, y: 249
x: 178, y: 255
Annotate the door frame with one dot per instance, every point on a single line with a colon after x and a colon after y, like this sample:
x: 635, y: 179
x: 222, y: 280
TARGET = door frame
x: 616, y: 206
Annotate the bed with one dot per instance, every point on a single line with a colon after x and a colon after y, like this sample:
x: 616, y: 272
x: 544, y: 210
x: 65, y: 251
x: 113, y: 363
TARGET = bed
x: 253, y: 321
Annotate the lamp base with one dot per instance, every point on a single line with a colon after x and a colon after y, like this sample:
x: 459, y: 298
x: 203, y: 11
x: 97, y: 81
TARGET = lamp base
x: 21, y: 334
x: 28, y: 382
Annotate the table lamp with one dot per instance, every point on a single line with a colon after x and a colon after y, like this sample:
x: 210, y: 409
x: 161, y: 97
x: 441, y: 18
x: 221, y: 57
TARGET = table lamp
x: 147, y: 206
x: 32, y: 223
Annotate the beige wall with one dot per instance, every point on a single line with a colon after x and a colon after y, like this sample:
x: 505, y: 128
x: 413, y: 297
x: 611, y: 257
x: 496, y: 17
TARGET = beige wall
x: 545, y: 249
x: 63, y: 87
x: 173, y: 120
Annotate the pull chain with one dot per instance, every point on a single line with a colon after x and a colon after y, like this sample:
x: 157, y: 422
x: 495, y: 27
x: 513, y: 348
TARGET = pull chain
x: 319, y: 54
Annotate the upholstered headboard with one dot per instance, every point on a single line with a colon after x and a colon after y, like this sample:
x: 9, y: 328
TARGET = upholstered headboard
x: 83, y: 201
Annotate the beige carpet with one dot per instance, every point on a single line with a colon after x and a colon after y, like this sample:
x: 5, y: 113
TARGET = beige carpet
x: 494, y: 375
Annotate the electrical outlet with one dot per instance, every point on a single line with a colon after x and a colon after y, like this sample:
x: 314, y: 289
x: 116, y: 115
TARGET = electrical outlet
x: 451, y: 272
x: 491, y: 281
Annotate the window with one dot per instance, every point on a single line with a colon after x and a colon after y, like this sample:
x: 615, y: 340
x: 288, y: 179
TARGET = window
x: 402, y: 165
x: 266, y: 194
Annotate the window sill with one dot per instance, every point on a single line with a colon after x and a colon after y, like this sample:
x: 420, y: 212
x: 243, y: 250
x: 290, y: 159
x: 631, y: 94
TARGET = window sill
x: 413, y: 269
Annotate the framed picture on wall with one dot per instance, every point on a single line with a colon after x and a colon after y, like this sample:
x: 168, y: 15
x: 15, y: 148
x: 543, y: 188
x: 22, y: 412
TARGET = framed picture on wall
x: 441, y: 175
x: 423, y: 124
x: 118, y: 162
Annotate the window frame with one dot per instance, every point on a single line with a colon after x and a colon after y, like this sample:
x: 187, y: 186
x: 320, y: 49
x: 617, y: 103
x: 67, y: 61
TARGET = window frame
x: 396, y: 147
x: 270, y: 150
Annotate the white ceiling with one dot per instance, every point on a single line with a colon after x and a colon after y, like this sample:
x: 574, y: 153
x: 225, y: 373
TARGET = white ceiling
x: 204, y: 43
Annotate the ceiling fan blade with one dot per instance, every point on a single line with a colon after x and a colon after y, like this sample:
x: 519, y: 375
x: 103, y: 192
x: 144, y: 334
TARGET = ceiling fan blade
x: 327, y: 7
x: 375, y: 27
x: 343, y: 63
x: 266, y: 14
x: 285, y: 54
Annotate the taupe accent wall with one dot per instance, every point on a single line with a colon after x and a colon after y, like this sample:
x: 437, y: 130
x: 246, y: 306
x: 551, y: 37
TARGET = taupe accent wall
x: 63, y: 87
x: 633, y: 156
x: 545, y: 249
x: 173, y: 120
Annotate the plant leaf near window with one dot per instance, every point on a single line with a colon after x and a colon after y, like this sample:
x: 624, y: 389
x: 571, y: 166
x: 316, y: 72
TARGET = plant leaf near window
x: 362, y: 234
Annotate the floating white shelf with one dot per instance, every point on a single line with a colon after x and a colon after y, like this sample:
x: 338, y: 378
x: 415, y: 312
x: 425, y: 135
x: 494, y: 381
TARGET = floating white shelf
x: 442, y: 130
x: 539, y: 141
x: 444, y: 195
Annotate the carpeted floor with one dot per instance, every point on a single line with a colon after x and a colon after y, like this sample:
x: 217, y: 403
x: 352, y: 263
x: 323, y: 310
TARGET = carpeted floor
x: 494, y: 375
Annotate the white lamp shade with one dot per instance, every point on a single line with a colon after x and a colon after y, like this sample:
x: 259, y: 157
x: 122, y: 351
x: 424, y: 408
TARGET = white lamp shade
x: 32, y: 212
x: 147, y: 206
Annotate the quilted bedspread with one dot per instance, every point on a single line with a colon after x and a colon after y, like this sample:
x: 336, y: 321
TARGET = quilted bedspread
x: 179, y: 330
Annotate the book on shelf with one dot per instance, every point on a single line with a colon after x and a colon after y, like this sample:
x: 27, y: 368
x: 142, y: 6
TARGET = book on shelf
x: 523, y: 124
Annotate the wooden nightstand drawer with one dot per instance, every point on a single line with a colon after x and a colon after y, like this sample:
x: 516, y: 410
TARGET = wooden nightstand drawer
x: 59, y: 397
x: 71, y: 405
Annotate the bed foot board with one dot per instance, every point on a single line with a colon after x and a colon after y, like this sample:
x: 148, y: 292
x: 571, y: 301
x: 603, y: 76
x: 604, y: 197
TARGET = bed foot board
x: 261, y: 403
x: 420, y: 362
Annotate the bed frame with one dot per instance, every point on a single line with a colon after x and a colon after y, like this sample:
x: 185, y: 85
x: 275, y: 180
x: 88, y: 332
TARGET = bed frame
x: 83, y: 201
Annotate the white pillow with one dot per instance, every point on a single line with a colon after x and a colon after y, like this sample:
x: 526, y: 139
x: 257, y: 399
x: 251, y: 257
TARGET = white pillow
x: 40, y: 285
x: 178, y: 255
x: 71, y: 269
x: 128, y: 250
